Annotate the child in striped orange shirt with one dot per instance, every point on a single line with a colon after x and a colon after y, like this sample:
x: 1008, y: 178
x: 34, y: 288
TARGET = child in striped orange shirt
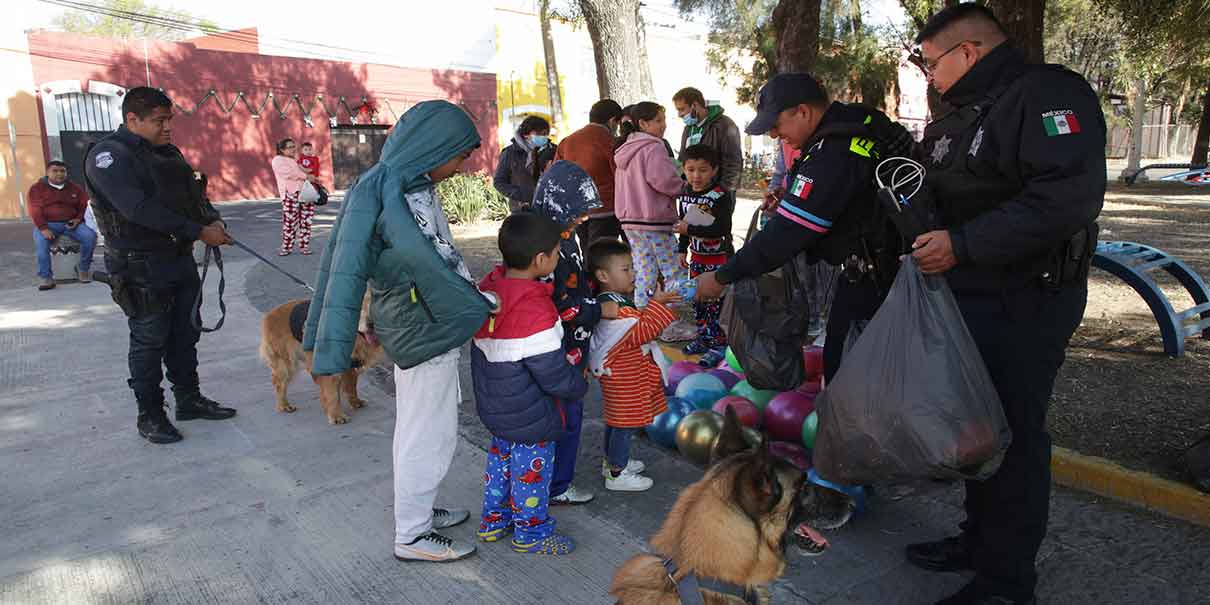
x: 623, y: 355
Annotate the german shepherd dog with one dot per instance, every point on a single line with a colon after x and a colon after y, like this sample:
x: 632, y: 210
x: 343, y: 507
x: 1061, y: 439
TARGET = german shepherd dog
x: 281, y: 349
x: 732, y: 527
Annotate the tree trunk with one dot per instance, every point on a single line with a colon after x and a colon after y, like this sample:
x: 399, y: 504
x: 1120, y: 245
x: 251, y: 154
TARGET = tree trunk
x: 855, y: 17
x: 552, y: 70
x: 615, y: 49
x: 1202, y: 144
x: 1177, y: 111
x: 1023, y: 19
x: 796, y: 29
x: 647, y: 86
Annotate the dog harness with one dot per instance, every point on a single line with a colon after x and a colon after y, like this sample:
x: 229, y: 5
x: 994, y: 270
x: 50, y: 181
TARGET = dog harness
x: 689, y: 587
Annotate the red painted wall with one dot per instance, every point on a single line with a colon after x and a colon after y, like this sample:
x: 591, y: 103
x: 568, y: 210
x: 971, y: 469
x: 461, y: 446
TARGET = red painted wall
x: 235, y: 148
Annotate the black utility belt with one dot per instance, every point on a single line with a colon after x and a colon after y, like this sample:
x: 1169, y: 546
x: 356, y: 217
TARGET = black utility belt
x: 172, y: 251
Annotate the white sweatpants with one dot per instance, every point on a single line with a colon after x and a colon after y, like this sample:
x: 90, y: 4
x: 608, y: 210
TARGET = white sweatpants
x: 426, y: 431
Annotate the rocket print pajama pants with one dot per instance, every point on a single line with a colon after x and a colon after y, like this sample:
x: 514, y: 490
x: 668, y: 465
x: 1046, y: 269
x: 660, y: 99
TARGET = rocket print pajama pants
x: 655, y: 253
x: 517, y: 489
x: 709, y: 333
x: 296, y: 222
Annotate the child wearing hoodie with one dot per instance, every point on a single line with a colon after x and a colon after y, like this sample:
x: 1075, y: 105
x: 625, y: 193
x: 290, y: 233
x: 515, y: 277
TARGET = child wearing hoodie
x: 522, y: 381
x: 645, y: 184
x: 566, y: 194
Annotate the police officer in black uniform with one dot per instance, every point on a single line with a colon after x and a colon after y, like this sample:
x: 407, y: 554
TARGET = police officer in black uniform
x: 829, y: 209
x: 1016, y: 176
x: 150, y: 205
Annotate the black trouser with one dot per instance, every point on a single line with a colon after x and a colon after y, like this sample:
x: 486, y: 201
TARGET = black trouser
x: 161, y: 321
x: 1023, y: 337
x: 595, y: 228
x: 851, y: 302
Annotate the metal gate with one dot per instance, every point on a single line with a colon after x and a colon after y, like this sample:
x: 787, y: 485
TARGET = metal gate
x: 82, y: 119
x: 355, y: 149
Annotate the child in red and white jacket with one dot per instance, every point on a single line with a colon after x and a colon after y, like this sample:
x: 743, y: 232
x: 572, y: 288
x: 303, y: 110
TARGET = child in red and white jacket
x: 623, y: 355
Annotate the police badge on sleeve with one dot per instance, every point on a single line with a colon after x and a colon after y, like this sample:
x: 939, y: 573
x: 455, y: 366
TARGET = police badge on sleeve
x: 104, y: 159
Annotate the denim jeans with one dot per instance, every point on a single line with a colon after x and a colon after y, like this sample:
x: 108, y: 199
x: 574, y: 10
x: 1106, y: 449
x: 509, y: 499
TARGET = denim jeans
x: 81, y: 233
x: 617, y: 446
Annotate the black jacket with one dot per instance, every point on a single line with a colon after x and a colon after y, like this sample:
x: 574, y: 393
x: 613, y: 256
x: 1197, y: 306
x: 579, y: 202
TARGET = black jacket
x: 514, y: 179
x: 1015, y: 170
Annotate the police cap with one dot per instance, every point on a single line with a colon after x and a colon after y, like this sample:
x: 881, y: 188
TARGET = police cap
x: 781, y: 93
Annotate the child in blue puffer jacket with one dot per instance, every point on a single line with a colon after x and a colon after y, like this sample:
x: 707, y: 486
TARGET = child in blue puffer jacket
x: 566, y: 194
x: 523, y: 384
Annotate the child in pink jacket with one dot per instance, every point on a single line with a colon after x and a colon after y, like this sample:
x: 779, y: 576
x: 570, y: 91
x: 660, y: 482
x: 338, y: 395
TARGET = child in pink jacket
x: 646, y: 185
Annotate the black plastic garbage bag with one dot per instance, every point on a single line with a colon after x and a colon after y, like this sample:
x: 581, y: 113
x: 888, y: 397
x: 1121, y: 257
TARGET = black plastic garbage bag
x: 766, y: 320
x: 912, y: 398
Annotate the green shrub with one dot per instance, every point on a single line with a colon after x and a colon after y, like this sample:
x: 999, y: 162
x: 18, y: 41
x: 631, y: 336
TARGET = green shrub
x: 467, y: 198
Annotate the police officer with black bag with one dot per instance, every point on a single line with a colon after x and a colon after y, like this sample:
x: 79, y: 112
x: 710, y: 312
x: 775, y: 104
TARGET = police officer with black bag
x: 1016, y: 179
x: 151, y: 207
x: 830, y: 210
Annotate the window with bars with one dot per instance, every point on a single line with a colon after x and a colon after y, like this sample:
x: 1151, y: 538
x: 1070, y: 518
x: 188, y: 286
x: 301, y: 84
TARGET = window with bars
x: 82, y: 111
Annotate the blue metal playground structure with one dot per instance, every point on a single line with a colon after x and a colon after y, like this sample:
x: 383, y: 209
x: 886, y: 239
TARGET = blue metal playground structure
x: 1133, y: 263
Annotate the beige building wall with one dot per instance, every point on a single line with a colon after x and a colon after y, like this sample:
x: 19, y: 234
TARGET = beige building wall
x: 23, y: 163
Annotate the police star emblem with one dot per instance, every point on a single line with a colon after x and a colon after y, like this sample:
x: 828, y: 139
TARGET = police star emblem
x: 941, y: 148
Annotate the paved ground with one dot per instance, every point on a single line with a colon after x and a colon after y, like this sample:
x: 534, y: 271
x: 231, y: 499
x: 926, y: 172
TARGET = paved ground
x: 285, y: 508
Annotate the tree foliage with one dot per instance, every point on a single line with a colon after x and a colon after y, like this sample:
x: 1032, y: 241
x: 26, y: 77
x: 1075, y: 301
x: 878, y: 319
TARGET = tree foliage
x: 134, y: 19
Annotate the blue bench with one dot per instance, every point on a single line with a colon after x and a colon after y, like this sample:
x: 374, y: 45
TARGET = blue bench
x: 1132, y: 263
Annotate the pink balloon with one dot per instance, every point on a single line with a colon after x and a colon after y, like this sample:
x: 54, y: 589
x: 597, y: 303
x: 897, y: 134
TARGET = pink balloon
x: 785, y: 414
x: 745, y: 410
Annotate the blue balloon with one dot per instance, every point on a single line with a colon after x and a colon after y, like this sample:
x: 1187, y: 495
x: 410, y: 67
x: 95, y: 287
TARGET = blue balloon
x: 856, y: 492
x: 662, y: 429
x: 701, y: 389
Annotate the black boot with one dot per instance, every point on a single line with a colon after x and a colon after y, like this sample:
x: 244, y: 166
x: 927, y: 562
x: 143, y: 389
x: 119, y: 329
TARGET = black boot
x: 950, y: 554
x: 193, y: 405
x: 154, y: 426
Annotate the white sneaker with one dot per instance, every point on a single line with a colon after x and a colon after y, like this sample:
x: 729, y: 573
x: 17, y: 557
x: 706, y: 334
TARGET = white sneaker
x: 444, y: 517
x: 628, y: 482
x: 635, y: 466
x: 434, y: 547
x: 572, y: 496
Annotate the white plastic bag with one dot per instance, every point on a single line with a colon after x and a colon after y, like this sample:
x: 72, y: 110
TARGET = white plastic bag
x: 308, y: 194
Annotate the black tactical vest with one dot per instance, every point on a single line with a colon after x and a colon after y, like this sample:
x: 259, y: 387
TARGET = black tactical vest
x: 176, y: 187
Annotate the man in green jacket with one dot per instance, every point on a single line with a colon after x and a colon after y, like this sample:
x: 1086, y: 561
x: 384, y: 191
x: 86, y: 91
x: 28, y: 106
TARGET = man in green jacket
x: 707, y: 125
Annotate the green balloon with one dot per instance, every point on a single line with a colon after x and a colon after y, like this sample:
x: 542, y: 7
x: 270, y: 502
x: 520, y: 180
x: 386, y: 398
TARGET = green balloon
x: 753, y: 394
x: 732, y: 361
x: 809, y: 426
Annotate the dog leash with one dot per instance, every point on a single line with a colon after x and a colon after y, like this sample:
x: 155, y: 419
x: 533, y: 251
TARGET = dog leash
x: 217, y: 254
x: 689, y: 587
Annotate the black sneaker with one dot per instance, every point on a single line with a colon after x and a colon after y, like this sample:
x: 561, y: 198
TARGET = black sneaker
x: 194, y: 405
x: 155, y: 428
x: 950, y: 554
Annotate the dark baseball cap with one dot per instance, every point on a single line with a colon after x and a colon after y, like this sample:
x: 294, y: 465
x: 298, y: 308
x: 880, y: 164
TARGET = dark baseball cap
x: 780, y: 93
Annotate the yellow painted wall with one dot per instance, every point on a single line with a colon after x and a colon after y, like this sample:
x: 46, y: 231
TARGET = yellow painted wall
x: 18, y: 108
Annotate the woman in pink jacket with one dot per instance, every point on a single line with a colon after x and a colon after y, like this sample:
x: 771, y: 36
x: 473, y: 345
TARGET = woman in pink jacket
x: 295, y: 215
x: 646, y: 184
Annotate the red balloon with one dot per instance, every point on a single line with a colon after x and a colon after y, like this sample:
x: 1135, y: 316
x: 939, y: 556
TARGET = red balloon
x: 745, y: 410
x: 785, y: 414
x: 812, y: 361
x: 791, y: 452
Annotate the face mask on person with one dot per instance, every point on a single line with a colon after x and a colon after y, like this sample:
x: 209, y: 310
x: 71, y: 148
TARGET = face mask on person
x: 690, y: 119
x: 538, y: 141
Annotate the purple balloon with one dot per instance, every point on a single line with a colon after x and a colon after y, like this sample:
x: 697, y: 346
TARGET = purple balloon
x: 785, y: 414
x: 793, y: 453
x: 727, y: 376
x: 679, y: 371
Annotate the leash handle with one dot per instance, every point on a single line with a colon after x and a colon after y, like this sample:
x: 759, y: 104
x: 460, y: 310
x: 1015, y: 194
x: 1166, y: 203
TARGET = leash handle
x: 222, y: 286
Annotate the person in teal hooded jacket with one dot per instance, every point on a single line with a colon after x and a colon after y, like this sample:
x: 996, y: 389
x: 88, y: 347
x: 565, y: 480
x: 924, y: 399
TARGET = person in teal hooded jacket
x: 392, y: 235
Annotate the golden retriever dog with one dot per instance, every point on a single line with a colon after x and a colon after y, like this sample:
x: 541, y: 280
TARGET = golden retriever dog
x: 727, y: 534
x: 281, y: 349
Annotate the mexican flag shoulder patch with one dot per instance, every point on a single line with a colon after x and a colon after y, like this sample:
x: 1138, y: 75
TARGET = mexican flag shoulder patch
x: 1059, y: 122
x: 801, y: 187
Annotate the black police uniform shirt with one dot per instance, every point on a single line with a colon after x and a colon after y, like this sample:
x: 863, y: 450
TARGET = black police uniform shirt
x: 824, y: 198
x: 116, y: 176
x: 1015, y: 169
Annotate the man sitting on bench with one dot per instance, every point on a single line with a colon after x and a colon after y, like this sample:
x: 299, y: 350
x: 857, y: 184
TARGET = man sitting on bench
x: 57, y: 207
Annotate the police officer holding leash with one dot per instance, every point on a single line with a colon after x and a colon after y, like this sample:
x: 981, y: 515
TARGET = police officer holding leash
x: 830, y: 208
x: 151, y: 207
x: 1016, y: 176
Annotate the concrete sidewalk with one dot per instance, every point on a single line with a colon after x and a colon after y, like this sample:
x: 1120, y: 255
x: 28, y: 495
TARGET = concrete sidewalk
x: 282, y: 508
